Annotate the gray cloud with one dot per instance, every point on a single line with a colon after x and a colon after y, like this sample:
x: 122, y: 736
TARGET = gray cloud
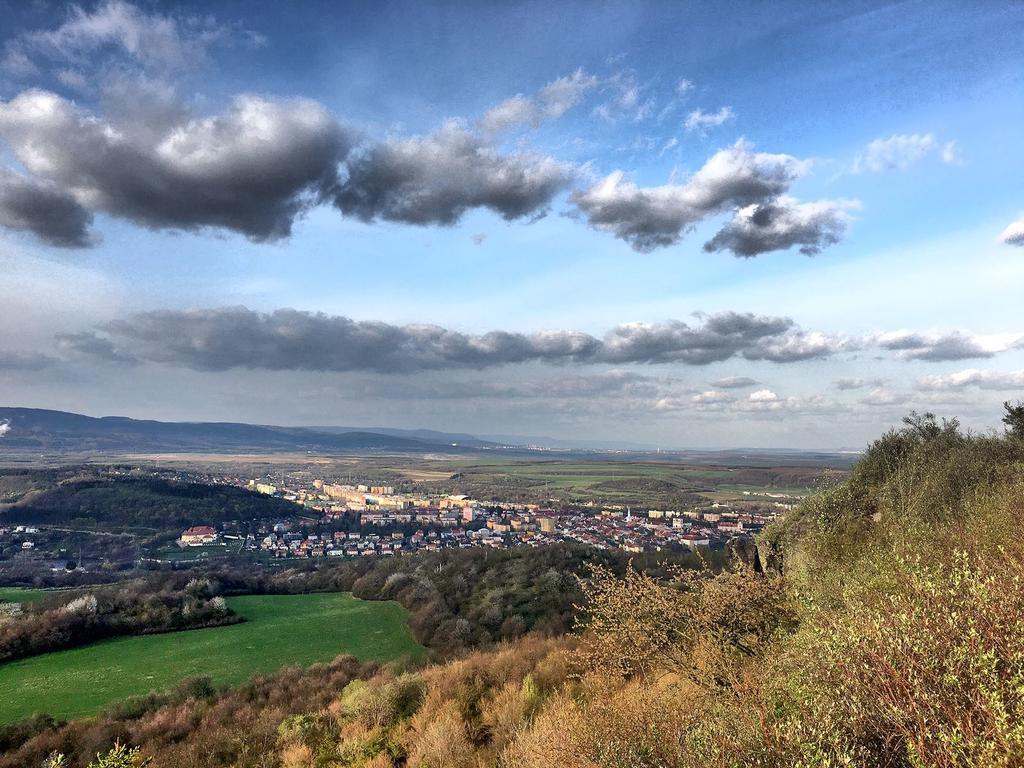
x: 1014, y: 232
x: 847, y: 385
x: 252, y: 169
x: 654, y: 217
x: 716, y: 338
x: 30, y: 205
x: 437, y: 178
x: 936, y: 347
x: 734, y: 382
x: 90, y: 344
x: 614, y: 383
x: 882, y: 397
x: 14, y: 360
x: 781, y: 224
x: 551, y: 102
x: 288, y: 339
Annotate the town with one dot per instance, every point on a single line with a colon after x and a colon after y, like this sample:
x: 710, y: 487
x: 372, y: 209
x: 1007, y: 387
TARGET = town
x: 357, y: 520
x: 269, y: 516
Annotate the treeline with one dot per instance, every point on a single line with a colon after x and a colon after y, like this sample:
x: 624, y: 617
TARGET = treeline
x: 461, y: 598
x: 457, y: 599
x: 141, y: 606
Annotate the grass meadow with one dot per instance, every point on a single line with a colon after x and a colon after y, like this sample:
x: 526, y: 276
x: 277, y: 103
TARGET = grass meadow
x: 280, y: 630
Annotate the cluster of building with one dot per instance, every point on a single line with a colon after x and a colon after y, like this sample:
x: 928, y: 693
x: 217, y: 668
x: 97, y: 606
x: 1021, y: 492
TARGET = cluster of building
x: 352, y: 544
x: 199, y: 536
x: 655, y: 530
x: 359, y: 521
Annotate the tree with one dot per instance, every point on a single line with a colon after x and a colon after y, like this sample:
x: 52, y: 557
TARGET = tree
x: 926, y: 426
x: 1014, y: 418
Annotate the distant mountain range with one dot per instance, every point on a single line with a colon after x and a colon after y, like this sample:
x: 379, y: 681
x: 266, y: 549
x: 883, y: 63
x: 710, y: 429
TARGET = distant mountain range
x: 43, y: 431
x: 39, y: 431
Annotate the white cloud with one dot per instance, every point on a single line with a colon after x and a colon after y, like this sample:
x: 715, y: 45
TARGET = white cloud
x: 1014, y: 232
x: 712, y: 396
x: 700, y: 121
x: 848, y: 384
x: 973, y: 377
x: 627, y: 99
x: 883, y: 397
x: 902, y: 151
x: 151, y: 39
x: 550, y: 103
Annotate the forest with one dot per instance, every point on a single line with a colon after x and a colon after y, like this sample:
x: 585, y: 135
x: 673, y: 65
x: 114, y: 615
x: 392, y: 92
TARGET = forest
x: 92, y: 500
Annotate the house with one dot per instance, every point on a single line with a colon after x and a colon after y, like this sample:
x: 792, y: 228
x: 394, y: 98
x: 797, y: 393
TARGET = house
x: 198, y: 535
x: 693, y: 540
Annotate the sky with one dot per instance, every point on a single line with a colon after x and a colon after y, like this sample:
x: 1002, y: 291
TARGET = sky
x: 730, y: 224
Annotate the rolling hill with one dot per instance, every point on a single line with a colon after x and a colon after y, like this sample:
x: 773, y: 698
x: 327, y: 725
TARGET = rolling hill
x: 44, y: 431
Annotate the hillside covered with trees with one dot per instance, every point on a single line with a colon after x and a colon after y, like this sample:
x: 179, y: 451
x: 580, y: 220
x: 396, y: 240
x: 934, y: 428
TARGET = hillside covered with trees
x: 92, y: 500
x: 878, y: 626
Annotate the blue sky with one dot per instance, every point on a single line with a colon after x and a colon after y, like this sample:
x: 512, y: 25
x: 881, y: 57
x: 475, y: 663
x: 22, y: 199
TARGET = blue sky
x: 313, y: 214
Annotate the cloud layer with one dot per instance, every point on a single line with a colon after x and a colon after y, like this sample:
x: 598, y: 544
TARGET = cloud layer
x: 226, y: 338
x: 288, y: 339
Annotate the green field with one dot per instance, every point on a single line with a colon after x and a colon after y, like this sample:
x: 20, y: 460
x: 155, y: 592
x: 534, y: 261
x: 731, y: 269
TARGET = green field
x: 19, y: 595
x: 618, y: 481
x: 178, y: 554
x: 280, y: 630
